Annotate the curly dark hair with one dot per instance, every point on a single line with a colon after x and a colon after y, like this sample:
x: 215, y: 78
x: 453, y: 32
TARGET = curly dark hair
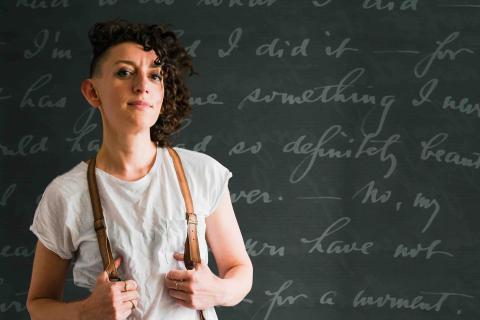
x: 171, y: 56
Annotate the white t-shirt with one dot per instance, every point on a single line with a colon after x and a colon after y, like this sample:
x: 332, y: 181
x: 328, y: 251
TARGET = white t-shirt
x: 145, y: 224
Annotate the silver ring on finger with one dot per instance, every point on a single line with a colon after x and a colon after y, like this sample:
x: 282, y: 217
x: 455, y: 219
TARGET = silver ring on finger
x: 176, y: 285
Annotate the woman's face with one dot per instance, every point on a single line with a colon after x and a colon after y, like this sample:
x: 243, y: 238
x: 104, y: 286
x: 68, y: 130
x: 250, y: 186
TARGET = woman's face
x: 128, y: 88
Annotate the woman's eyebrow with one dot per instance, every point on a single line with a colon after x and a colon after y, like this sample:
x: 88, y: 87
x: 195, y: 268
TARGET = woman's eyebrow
x: 153, y: 65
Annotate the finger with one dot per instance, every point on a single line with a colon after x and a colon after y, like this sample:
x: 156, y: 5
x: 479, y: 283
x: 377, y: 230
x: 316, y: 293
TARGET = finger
x: 132, y: 303
x: 178, y: 256
x: 120, y: 285
x: 130, y: 285
x: 118, y: 261
x: 178, y: 294
x: 178, y: 275
x: 179, y: 286
x: 171, y: 284
x: 102, y: 277
x: 126, y: 310
x: 129, y: 295
x: 182, y: 303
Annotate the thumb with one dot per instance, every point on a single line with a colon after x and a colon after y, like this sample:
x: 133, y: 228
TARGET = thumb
x: 102, y: 277
x: 117, y: 262
x: 179, y: 256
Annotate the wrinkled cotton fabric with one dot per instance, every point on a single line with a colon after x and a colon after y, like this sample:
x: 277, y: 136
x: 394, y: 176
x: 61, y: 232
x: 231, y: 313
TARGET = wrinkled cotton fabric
x: 145, y: 224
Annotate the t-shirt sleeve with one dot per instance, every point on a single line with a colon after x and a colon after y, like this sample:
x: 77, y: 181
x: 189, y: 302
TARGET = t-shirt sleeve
x: 50, y: 222
x: 220, y: 177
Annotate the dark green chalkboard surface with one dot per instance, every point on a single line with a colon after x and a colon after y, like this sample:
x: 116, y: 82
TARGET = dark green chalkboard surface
x: 351, y: 128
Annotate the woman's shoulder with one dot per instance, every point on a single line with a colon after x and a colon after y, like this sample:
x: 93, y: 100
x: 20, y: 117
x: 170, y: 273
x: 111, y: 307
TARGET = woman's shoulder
x: 208, y: 179
x: 193, y: 155
x: 198, y: 160
x: 70, y: 183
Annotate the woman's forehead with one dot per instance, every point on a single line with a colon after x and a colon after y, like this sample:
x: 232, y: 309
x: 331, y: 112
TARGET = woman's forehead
x: 130, y: 51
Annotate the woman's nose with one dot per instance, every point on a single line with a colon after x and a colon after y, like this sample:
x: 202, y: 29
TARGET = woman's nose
x: 141, y: 84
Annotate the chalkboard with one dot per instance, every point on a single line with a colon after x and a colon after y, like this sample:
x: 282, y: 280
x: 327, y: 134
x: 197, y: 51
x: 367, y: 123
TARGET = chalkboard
x: 351, y: 129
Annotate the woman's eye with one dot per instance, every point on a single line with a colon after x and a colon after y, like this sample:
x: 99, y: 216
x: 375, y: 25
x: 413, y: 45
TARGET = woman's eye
x: 157, y: 76
x: 123, y: 72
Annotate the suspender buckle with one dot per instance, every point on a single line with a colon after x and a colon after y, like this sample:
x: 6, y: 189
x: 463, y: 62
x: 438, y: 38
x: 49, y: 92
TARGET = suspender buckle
x: 191, y: 218
x: 99, y: 224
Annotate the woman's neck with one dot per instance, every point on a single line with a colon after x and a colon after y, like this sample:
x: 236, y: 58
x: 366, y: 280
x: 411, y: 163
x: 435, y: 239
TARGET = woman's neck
x: 128, y: 163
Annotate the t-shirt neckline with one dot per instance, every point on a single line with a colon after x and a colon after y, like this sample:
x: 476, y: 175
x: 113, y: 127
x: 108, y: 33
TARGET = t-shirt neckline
x: 140, y: 181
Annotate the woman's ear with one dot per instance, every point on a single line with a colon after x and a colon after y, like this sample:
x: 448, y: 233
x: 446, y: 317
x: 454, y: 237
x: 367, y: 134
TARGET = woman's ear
x: 90, y: 93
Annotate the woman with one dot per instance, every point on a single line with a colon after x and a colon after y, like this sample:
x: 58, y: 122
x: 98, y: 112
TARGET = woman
x: 137, y: 83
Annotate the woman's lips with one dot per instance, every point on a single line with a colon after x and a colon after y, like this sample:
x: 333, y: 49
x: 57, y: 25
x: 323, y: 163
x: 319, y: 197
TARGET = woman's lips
x: 139, y: 105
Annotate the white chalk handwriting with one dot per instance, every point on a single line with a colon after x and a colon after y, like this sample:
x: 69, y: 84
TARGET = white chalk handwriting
x: 337, y: 246
x: 279, y: 300
x: 7, y: 194
x: 44, y: 101
x: 40, y: 42
x: 81, y: 128
x: 42, y: 4
x: 440, y: 53
x: 255, y: 249
x: 431, y: 150
x: 394, y: 302
x: 26, y: 147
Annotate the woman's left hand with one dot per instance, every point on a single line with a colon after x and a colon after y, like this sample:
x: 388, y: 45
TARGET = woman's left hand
x: 198, y: 289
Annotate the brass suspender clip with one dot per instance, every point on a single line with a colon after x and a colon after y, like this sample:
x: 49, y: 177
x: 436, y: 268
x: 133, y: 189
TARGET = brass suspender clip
x: 191, y: 218
x: 99, y: 224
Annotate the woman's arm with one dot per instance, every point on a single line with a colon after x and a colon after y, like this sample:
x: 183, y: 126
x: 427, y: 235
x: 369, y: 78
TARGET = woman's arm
x: 226, y: 241
x: 46, y: 287
x: 109, y: 300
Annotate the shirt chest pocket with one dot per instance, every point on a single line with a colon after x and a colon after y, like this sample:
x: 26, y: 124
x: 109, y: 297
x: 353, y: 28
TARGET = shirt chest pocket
x: 177, y: 233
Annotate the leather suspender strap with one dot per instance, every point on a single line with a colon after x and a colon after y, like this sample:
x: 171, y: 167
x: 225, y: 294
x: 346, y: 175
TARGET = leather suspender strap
x: 99, y: 224
x: 192, y: 252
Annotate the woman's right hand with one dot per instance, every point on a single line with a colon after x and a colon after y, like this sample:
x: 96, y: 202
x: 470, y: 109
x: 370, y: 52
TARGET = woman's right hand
x: 110, y: 300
